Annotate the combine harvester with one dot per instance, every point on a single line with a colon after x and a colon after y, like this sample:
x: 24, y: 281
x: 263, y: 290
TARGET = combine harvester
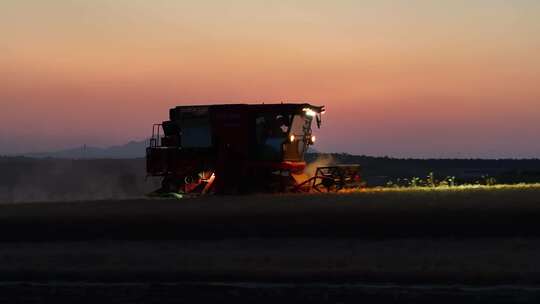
x: 241, y: 148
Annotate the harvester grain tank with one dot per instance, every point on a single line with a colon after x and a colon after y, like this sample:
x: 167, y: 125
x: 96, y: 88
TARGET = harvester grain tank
x: 240, y: 148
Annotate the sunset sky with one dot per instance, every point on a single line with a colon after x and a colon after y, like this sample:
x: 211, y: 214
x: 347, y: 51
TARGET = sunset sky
x: 455, y: 78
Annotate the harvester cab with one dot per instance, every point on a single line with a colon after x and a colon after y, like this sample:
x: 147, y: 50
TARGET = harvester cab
x: 234, y: 148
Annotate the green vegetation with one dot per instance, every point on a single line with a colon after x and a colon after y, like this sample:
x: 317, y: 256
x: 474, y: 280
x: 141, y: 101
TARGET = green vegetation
x: 431, y: 181
x: 466, y: 188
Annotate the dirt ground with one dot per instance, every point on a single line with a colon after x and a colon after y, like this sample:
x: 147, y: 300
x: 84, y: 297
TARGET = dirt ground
x: 482, y: 261
x: 200, y: 292
x: 484, y: 239
x: 505, y: 212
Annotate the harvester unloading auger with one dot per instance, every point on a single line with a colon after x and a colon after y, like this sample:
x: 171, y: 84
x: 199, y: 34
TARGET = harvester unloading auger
x: 241, y: 148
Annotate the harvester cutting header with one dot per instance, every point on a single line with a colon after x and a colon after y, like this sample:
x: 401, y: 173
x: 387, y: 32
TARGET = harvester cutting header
x: 240, y: 148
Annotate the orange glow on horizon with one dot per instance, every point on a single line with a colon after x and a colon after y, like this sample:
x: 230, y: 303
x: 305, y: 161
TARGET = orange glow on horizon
x: 409, y: 78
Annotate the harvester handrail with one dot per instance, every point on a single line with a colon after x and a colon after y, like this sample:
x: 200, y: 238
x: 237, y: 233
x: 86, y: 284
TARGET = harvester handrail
x: 156, y: 136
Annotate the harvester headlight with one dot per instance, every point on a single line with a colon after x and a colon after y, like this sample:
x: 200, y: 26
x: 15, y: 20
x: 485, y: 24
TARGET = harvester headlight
x: 309, y: 112
x: 292, y: 138
x: 313, y: 139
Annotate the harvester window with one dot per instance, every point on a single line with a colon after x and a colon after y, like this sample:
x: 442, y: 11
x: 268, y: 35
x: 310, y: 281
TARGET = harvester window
x: 301, y: 126
x: 260, y: 127
x: 299, y: 134
x: 278, y: 128
x: 195, y: 133
x: 271, y: 132
x: 283, y: 123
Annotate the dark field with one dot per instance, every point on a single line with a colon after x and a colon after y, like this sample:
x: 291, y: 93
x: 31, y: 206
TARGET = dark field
x: 474, y: 236
x: 465, y: 245
x: 484, y: 212
x: 261, y: 293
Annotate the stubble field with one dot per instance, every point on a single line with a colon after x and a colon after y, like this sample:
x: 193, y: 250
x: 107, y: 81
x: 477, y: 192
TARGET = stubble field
x: 465, y: 244
x: 477, y: 236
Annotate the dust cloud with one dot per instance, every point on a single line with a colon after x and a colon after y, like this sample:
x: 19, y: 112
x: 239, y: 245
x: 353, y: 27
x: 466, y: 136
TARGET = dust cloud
x: 28, y: 180
x: 322, y: 160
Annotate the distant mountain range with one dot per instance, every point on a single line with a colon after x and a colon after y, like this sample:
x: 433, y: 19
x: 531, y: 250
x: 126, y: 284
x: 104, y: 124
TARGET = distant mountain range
x: 133, y: 149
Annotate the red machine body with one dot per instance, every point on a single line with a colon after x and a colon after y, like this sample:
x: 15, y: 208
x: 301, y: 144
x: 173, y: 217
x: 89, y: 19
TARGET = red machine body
x: 232, y: 148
